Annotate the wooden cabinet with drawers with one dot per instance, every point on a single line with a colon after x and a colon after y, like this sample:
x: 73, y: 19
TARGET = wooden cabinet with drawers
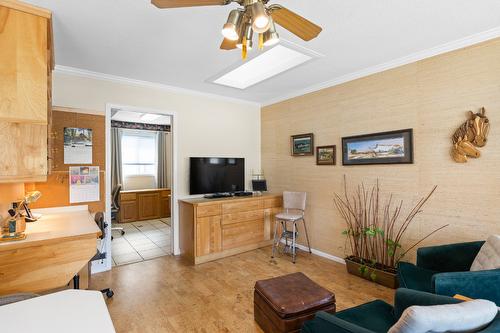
x: 26, y: 63
x: 215, y: 228
x: 143, y: 205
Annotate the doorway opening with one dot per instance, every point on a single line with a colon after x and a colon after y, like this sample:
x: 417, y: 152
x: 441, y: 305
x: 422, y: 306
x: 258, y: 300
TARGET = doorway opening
x: 140, y: 183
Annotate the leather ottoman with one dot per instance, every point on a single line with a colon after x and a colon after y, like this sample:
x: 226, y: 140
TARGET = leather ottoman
x: 284, y: 303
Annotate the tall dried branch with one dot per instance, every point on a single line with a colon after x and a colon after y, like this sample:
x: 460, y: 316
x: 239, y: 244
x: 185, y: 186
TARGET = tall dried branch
x: 374, y: 229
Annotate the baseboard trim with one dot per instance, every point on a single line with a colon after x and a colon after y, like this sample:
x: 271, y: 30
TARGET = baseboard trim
x: 320, y: 253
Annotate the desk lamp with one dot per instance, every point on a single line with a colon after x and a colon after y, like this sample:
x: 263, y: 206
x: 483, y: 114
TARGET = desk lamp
x: 30, y: 198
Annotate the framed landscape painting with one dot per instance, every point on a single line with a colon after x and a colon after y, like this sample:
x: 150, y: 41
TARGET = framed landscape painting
x: 326, y: 155
x: 302, y: 144
x: 394, y: 147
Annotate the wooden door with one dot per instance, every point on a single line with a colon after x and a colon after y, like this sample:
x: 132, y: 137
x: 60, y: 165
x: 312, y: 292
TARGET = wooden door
x: 165, y: 204
x: 24, y: 152
x: 149, y: 205
x: 23, y: 66
x: 128, y: 211
x: 208, y: 235
x: 244, y: 233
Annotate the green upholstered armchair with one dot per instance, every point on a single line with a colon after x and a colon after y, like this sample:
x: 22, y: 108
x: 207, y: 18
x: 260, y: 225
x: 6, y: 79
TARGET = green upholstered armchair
x: 445, y: 270
x: 378, y: 316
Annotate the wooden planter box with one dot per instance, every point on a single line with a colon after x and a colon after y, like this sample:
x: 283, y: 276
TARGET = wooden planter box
x: 383, y: 277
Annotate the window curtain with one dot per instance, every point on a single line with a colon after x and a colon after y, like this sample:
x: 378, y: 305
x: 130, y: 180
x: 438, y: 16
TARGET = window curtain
x: 164, y: 159
x: 116, y: 157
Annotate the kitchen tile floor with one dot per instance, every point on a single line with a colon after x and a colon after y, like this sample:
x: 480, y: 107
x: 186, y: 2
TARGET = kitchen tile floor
x: 142, y: 241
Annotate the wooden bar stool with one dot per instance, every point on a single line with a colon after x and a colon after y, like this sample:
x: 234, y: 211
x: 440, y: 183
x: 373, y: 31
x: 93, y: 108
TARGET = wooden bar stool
x: 295, y: 205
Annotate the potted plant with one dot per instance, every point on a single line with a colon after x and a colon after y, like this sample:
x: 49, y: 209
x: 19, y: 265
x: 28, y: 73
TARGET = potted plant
x: 375, y: 231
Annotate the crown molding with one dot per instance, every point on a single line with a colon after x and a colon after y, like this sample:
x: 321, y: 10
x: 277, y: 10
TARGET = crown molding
x: 434, y: 51
x: 146, y: 84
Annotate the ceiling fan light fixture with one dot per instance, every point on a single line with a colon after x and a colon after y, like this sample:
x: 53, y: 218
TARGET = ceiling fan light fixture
x: 260, y: 19
x: 231, y: 27
x: 249, y: 45
x: 271, y: 36
x: 247, y: 32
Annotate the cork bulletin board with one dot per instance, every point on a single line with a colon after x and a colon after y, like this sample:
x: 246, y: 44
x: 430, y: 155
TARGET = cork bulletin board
x: 55, y: 192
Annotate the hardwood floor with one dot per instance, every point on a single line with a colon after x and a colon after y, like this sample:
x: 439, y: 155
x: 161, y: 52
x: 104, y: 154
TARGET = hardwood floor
x: 168, y: 295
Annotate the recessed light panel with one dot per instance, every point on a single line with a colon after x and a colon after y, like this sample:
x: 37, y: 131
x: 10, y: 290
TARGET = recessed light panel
x: 264, y: 66
x: 150, y: 116
x: 137, y: 117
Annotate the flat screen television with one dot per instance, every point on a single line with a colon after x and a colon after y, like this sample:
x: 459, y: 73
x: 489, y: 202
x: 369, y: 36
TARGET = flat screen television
x: 216, y: 175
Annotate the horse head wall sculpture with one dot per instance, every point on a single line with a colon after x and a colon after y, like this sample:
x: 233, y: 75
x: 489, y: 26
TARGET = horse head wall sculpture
x: 472, y: 134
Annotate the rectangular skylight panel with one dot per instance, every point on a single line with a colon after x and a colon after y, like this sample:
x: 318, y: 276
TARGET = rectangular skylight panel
x: 273, y: 62
x: 150, y: 116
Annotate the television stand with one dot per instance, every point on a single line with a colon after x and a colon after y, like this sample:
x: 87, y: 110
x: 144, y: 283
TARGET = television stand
x: 218, y: 195
x: 211, y: 229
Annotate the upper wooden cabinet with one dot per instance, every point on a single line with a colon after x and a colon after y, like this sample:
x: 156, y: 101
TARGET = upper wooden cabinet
x: 24, y: 148
x: 26, y: 63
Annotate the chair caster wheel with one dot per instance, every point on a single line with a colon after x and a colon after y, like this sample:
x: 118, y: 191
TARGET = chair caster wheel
x: 123, y: 232
x: 112, y: 238
x: 110, y: 293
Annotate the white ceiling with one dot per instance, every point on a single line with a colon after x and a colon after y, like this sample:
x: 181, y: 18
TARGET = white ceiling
x: 180, y: 47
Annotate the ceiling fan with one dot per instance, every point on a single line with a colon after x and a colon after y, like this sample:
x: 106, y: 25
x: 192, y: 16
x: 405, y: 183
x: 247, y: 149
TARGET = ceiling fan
x: 254, y: 16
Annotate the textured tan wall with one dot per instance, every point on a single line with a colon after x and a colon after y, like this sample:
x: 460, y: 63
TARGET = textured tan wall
x: 430, y: 96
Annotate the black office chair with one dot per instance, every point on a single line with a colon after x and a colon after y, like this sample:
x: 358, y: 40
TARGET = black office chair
x: 99, y: 219
x: 115, y: 208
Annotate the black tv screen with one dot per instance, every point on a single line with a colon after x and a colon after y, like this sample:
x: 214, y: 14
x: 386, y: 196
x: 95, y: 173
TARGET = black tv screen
x: 216, y: 175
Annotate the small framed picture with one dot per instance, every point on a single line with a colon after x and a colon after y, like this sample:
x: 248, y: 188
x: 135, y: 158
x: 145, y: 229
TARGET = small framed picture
x: 326, y: 155
x: 302, y: 144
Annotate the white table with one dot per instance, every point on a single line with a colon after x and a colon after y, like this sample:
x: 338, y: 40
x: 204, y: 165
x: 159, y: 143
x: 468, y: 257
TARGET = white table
x: 65, y: 311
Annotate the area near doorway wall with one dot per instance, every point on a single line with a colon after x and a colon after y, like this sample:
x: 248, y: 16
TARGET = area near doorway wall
x: 141, y: 180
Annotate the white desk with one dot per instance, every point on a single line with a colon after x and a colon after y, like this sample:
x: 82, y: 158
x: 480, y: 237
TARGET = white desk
x: 72, y: 311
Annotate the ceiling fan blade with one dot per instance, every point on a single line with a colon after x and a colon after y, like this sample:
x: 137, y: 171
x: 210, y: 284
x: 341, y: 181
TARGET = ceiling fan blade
x: 187, y: 3
x: 228, y: 44
x: 295, y: 23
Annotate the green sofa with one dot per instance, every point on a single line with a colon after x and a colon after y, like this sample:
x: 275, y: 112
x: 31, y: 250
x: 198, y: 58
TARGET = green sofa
x: 378, y: 316
x: 445, y: 270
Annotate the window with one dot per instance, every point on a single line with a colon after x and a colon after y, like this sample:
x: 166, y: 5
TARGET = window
x: 139, y: 151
